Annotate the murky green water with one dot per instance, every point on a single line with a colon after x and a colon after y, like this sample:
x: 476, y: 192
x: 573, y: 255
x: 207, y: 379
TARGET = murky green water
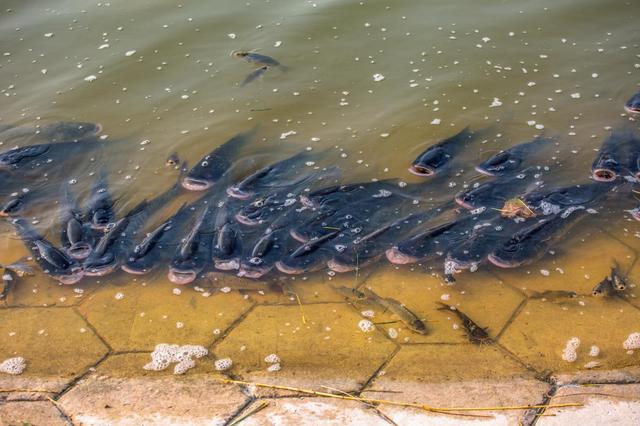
x: 372, y: 83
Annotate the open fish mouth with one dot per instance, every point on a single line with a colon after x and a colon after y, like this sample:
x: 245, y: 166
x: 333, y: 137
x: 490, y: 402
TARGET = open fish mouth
x: 298, y: 236
x: 340, y: 267
x: 181, y: 277
x: 604, y: 175
x: 286, y: 269
x: 395, y: 256
x: 419, y: 170
x: 71, y: 278
x: 235, y: 192
x: 253, y: 272
x: 501, y: 263
x: 99, y: 271
x: 79, y: 251
x: 247, y: 221
x: 134, y: 270
x: 632, y: 109
x: 227, y: 264
x: 194, y: 184
x: 462, y: 203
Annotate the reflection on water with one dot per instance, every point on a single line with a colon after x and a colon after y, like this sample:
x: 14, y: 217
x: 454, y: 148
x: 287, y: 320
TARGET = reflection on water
x: 343, y: 93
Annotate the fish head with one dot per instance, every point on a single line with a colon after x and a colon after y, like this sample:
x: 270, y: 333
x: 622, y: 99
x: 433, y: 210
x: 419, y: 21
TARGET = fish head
x: 139, y: 266
x: 101, y: 266
x: 102, y: 220
x: 12, y: 207
x: 70, y: 278
x: 254, y: 268
x: 633, y: 105
x: 397, y: 257
x: 501, y: 163
x: 80, y: 250
x: 12, y: 159
x: 605, y: 168
x: 430, y: 162
x: 181, y: 276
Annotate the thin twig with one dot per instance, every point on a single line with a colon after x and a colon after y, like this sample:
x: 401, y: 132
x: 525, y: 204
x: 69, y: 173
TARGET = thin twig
x: 251, y: 412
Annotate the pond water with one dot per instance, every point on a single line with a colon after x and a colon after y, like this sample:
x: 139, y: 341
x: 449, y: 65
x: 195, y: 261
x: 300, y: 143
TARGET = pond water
x: 364, y: 88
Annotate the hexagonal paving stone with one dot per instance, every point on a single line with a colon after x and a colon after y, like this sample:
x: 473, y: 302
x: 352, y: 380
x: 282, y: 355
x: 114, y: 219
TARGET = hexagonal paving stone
x: 121, y: 392
x: 619, y: 403
x: 55, y: 342
x: 330, y: 349
x: 30, y: 413
x: 137, y: 317
x: 479, y: 295
x: 460, y: 375
x: 308, y: 411
x: 579, y: 264
x: 540, y: 332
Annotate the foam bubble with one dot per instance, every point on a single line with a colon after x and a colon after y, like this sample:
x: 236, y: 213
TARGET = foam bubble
x: 164, y: 354
x: 569, y: 353
x: 223, y: 364
x: 632, y: 342
x: 13, y: 366
x: 272, y: 359
x: 366, y: 326
x: 274, y: 367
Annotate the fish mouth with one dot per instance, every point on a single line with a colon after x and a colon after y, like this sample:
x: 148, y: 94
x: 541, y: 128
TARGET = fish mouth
x: 71, y: 278
x: 235, y: 192
x: 632, y: 110
x: 604, y: 175
x: 99, y: 271
x: 286, y: 269
x: 183, y: 277
x: 395, y: 256
x: 419, y: 170
x: 194, y: 184
x: 245, y: 220
x: 131, y: 269
x: 484, y: 171
x: 462, y: 203
x: 227, y: 264
x: 501, y: 263
x: 253, y: 272
x: 79, y: 251
x: 337, y: 266
x: 296, y: 235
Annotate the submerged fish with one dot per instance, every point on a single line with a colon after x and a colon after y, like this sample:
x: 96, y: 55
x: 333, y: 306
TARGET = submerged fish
x: 398, y: 309
x: 73, y: 236
x: 633, y: 104
x: 476, y: 334
x: 617, y: 155
x: 100, y: 211
x: 173, y: 160
x: 603, y: 288
x: 194, y: 251
x: 553, y: 294
x: 531, y: 243
x: 18, y: 268
x: 494, y: 193
x: 511, y: 160
x: 213, y: 166
x: 257, y: 59
x: 55, y: 132
x: 427, y: 244
x: 34, y: 157
x: 436, y: 157
x: 254, y: 75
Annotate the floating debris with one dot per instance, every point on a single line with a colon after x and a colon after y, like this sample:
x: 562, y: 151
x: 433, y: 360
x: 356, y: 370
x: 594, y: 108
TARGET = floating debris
x: 165, y: 354
x: 223, y: 364
x: 13, y: 366
x: 632, y: 342
x: 569, y: 353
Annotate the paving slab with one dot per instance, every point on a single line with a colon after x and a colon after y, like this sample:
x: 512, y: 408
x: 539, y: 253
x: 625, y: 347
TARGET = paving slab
x: 326, y: 348
x: 311, y: 411
x: 56, y: 343
x: 480, y: 295
x: 139, y: 316
x: 542, y: 329
x: 121, y: 392
x: 602, y: 404
x: 35, y: 413
x: 455, y: 376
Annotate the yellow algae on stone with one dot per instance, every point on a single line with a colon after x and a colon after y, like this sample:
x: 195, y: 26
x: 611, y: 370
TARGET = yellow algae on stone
x: 137, y: 317
x: 328, y: 349
x: 541, y: 330
x: 578, y: 265
x: 121, y: 392
x: 479, y: 295
x: 55, y: 342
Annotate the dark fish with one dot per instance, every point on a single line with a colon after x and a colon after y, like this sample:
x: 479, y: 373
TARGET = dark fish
x: 73, y: 236
x: 409, y: 318
x: 7, y: 284
x: 436, y: 157
x: 555, y: 200
x: 618, y: 281
x: 254, y: 75
x: 103, y: 259
x: 308, y: 257
x: 100, y: 211
x: 34, y: 157
x: 553, y: 294
x: 216, y: 164
x: 633, y: 104
x: 617, y: 154
x: 54, y: 132
x: 476, y: 334
x: 603, y: 288
x: 284, y: 173
x: 428, y: 244
x: 18, y: 268
x: 194, y: 251
x: 531, y: 242
x: 269, y: 248
x: 494, y: 193
x: 337, y: 195
x: 53, y: 261
x: 156, y: 246
x: 173, y: 160
x: 511, y: 160
x: 227, y: 248
x: 257, y: 59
